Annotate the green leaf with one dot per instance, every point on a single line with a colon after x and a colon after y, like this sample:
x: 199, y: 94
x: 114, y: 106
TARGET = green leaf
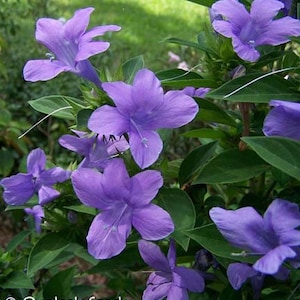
x: 17, y: 280
x: 45, y: 251
x: 82, y: 118
x: 82, y: 209
x: 190, y: 44
x: 282, y: 153
x: 7, y: 162
x: 211, y: 112
x: 232, y: 166
x: 181, y: 208
x: 260, y: 91
x: 131, y: 66
x: 128, y: 259
x: 205, y: 133
x: 17, y: 240
x: 195, y: 160
x: 212, y: 240
x: 59, y: 286
x: 207, y: 3
x: 179, y: 78
x: 50, y: 104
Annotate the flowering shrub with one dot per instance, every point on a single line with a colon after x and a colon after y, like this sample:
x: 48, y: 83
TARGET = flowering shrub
x: 230, y: 206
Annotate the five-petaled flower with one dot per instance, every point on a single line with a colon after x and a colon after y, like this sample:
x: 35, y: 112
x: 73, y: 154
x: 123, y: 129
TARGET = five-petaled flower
x: 37, y: 213
x: 71, y: 46
x: 141, y: 109
x: 250, y: 30
x: 273, y: 236
x: 96, y: 149
x: 124, y: 202
x: 18, y: 189
x: 283, y: 120
x: 168, y: 280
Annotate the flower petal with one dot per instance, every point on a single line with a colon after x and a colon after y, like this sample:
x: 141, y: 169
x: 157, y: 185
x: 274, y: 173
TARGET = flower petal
x: 157, y: 287
x: 88, y: 188
x: 152, y: 228
x: 38, y: 213
x: 47, y: 194
x: 53, y: 176
x: 238, y: 273
x: 147, y: 93
x: 278, y: 31
x: 18, y: 189
x: 144, y: 188
x: 223, y: 27
x: 245, y: 51
x: 270, y: 9
x: 98, y: 30
x: 283, y: 217
x: 49, y: 32
x: 177, y: 293
x: 36, y: 70
x: 108, y: 121
x: 75, y: 27
x: 177, y: 110
x: 116, y: 181
x: 145, y: 147
x: 272, y: 261
x: 120, y: 93
x: 283, y: 120
x: 87, y: 50
x: 81, y: 145
x: 188, y: 279
x: 172, y: 254
x: 108, y: 233
x: 153, y: 256
x: 36, y: 162
x: 243, y: 228
x: 233, y: 10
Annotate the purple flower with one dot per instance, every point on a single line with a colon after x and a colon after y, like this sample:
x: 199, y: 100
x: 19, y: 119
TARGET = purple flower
x: 97, y: 150
x: 124, y: 202
x: 71, y: 46
x: 38, y: 214
x: 249, y: 30
x: 239, y: 273
x: 193, y: 92
x: 283, y: 120
x: 272, y: 236
x: 140, y: 110
x: 18, y: 189
x: 168, y: 280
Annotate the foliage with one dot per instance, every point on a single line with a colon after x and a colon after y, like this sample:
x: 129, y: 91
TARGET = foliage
x: 220, y: 159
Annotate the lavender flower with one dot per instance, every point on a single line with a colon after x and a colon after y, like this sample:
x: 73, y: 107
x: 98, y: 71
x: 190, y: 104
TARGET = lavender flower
x: 168, y: 280
x: 124, y: 202
x: 97, y: 150
x: 71, y: 46
x: 239, y: 273
x: 193, y: 92
x: 283, y: 120
x: 272, y: 236
x: 140, y: 110
x: 18, y: 189
x: 249, y: 30
x: 38, y: 214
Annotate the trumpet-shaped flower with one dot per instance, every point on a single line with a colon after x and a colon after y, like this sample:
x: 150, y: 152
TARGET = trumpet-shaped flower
x: 18, y: 189
x: 37, y: 213
x: 140, y: 110
x: 70, y: 45
x: 97, y: 150
x: 272, y: 236
x: 250, y: 30
x: 283, y: 120
x: 124, y: 202
x: 168, y: 280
